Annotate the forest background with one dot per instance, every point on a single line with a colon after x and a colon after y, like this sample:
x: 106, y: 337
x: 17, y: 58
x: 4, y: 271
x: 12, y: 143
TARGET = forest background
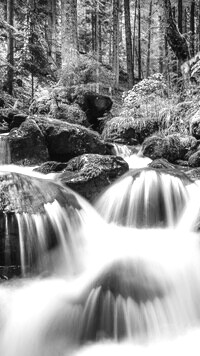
x: 110, y: 45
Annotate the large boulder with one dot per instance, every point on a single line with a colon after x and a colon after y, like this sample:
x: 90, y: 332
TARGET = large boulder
x: 28, y: 144
x: 195, y: 125
x: 94, y: 105
x: 51, y: 167
x: 194, y: 159
x: 70, y: 113
x: 66, y: 141
x: 89, y: 174
x: 173, y: 147
x: 86, y: 105
x: 127, y: 130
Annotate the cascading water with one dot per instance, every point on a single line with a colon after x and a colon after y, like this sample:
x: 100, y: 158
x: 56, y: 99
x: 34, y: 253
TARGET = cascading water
x: 131, y: 155
x: 98, y: 286
x: 144, y: 198
x: 5, y: 157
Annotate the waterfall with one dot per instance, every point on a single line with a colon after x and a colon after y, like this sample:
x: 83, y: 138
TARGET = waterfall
x: 144, y: 198
x: 124, y: 278
x: 5, y: 157
x: 131, y: 155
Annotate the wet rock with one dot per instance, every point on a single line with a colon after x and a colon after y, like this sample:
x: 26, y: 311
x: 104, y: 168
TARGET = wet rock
x: 161, y: 163
x: 70, y: 113
x: 172, y: 147
x: 65, y: 140
x: 27, y: 143
x: 94, y: 105
x: 195, y: 125
x: 51, y: 167
x: 86, y: 106
x: 194, y: 174
x: 194, y: 159
x: 89, y: 174
x: 127, y: 130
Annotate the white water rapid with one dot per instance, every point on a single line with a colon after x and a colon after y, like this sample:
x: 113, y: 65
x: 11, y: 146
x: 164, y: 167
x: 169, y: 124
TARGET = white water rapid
x: 4, y: 149
x: 120, y: 278
x: 132, y: 157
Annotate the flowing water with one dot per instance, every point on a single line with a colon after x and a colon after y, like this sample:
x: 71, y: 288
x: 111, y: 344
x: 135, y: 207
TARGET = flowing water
x: 131, y: 155
x: 123, y: 277
x: 4, y: 149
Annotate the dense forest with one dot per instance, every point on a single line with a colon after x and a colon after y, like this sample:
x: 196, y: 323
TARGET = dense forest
x: 112, y: 44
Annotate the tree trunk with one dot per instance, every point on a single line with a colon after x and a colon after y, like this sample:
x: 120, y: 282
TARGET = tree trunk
x: 129, y: 58
x: 134, y: 31
x: 139, y: 43
x: 161, y: 47
x: 69, y: 33
x: 93, y: 24
x: 116, y: 6
x: 10, y: 48
x: 51, y: 32
x: 97, y: 47
x: 176, y: 41
x: 199, y: 28
x: 180, y: 16
x: 192, y: 27
x: 149, y: 39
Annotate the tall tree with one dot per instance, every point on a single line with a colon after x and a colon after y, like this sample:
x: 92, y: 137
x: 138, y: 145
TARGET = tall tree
x: 134, y: 33
x: 129, y: 52
x: 180, y: 16
x: 139, y: 43
x: 116, y: 7
x: 51, y: 31
x: 149, y: 38
x: 192, y: 27
x: 175, y: 39
x: 10, y: 48
x: 69, y: 32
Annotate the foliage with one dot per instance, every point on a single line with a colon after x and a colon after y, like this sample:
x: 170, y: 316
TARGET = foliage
x: 86, y: 71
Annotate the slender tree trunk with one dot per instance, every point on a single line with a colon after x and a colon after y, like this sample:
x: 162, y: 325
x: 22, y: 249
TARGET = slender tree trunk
x: 180, y: 16
x: 185, y: 21
x: 134, y: 33
x: 97, y: 46
x: 176, y: 41
x: 51, y: 33
x: 69, y: 32
x: 139, y: 43
x: 161, y: 49
x: 166, y: 70
x: 129, y: 57
x: 116, y: 6
x: 149, y: 39
x: 192, y: 27
x: 10, y: 48
x: 93, y: 24
x: 199, y: 28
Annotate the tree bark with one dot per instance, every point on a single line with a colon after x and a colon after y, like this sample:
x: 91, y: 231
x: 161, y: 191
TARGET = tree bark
x: 180, y: 16
x: 176, y: 41
x: 192, y: 27
x: 134, y: 31
x: 116, y: 6
x: 149, y: 39
x: 10, y: 47
x: 139, y: 43
x: 51, y: 32
x: 69, y: 32
x: 129, y: 58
